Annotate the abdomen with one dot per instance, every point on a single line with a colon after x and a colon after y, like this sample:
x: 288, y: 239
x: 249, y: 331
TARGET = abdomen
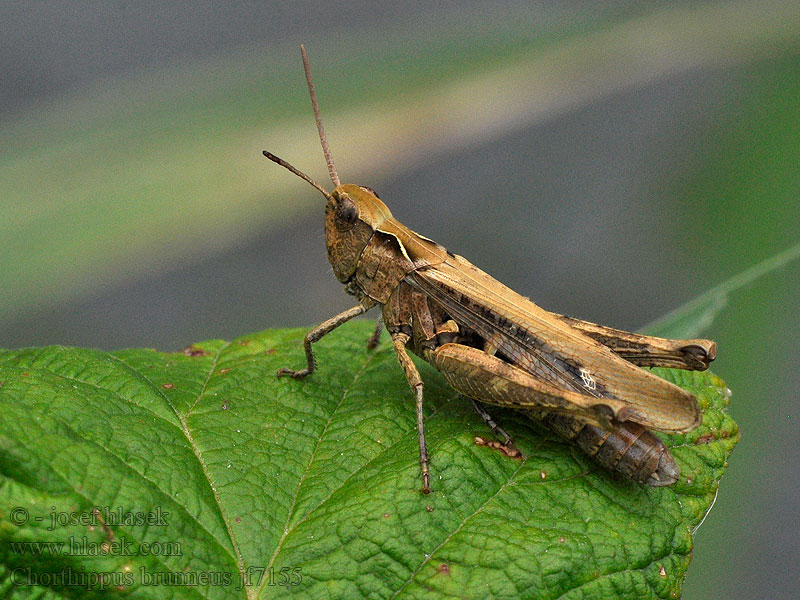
x: 631, y: 450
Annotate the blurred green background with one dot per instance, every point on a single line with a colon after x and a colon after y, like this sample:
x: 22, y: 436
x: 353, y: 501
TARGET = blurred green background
x: 612, y: 160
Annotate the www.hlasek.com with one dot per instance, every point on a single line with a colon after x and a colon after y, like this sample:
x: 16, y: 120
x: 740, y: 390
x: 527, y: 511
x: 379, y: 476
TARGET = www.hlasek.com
x: 83, y: 546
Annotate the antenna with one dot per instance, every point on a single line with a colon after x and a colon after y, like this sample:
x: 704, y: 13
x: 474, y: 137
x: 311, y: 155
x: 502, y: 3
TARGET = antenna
x: 297, y: 172
x: 315, y: 105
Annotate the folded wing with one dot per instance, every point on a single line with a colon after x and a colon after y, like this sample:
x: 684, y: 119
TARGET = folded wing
x: 548, y: 348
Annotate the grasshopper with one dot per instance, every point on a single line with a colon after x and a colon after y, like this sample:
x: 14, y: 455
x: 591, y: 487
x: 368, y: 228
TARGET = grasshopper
x: 494, y: 346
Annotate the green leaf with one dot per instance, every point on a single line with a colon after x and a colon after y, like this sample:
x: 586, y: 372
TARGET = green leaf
x: 312, y: 487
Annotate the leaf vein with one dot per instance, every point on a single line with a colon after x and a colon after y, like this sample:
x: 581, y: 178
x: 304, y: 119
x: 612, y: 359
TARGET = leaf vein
x: 477, y: 511
x: 199, y: 457
x: 286, y: 528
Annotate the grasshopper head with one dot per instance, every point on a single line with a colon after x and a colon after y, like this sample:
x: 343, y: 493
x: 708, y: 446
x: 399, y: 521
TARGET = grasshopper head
x: 352, y: 214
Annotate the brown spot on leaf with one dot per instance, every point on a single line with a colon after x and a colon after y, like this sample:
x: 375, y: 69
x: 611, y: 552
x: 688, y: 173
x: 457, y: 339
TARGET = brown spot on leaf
x: 194, y: 351
x: 543, y: 475
x: 25, y: 374
x: 270, y: 351
x: 509, y: 451
x: 444, y: 569
x: 224, y: 406
x: 244, y: 342
x: 429, y: 508
x: 561, y: 539
x: 386, y: 515
x: 238, y: 519
x: 705, y: 438
x: 662, y: 571
x: 168, y: 386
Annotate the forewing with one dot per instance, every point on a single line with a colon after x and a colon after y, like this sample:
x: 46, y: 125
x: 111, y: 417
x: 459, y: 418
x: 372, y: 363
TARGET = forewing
x: 532, y: 339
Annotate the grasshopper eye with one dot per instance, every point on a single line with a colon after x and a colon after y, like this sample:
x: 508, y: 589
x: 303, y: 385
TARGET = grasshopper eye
x: 347, y: 212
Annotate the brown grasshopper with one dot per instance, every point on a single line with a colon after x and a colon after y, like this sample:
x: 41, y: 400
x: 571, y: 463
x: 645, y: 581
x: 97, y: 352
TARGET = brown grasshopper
x: 493, y: 345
